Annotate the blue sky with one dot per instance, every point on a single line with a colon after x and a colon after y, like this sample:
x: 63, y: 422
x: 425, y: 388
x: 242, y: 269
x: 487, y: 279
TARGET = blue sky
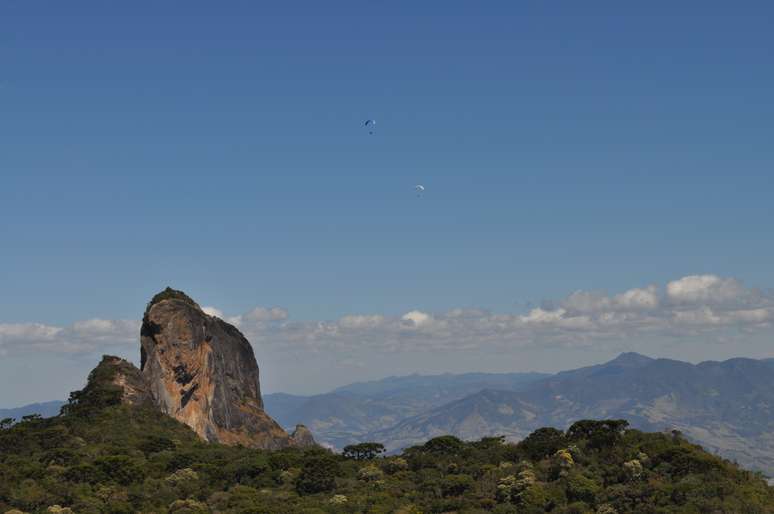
x: 219, y: 149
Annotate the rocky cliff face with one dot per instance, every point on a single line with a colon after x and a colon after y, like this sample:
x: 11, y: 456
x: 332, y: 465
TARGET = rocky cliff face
x: 202, y: 371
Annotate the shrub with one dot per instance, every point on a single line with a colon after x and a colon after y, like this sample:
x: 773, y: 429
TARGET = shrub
x: 456, y: 485
x: 120, y: 468
x: 188, y: 507
x: 394, y: 465
x: 317, y: 476
x: 370, y: 473
x: 182, y: 475
x: 581, y: 488
x: 338, y: 499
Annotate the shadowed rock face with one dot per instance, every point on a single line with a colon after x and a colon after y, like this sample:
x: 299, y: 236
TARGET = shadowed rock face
x: 202, y: 371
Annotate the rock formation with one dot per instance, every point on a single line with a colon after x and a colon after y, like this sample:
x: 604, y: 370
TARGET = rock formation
x: 302, y: 437
x: 134, y: 388
x: 201, y: 371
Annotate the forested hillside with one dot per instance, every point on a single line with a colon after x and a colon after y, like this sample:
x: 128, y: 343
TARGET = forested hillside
x: 102, y: 456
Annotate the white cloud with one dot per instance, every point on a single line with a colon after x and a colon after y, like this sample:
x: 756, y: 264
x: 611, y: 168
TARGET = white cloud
x: 30, y: 331
x: 266, y: 314
x: 254, y: 319
x: 212, y: 311
x: 358, y: 322
x: 638, y: 299
x: 81, y: 337
x: 595, y: 301
x: 541, y: 316
x: 707, y: 290
x: 416, y: 318
x: 698, y: 305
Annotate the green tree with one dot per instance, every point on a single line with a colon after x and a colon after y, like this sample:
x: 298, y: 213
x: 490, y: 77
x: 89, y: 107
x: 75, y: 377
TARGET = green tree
x: 318, y: 475
x: 599, y: 434
x: 444, y: 445
x: 456, y: 485
x: 542, y: 443
x: 121, y: 469
x: 363, y: 451
x: 581, y: 488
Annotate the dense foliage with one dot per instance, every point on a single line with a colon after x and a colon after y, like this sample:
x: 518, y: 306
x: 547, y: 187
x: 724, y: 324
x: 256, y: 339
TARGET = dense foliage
x: 102, y: 456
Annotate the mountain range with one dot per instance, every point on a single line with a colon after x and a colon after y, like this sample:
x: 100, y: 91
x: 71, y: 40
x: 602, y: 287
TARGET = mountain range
x: 46, y: 409
x: 350, y: 413
x: 727, y: 407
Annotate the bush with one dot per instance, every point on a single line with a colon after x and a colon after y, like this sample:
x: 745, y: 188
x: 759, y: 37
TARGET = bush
x: 154, y: 444
x: 456, y: 485
x: 182, y: 475
x: 84, y: 473
x: 317, y: 476
x: 120, y: 468
x: 370, y: 473
x: 188, y: 507
x: 394, y: 465
x: 581, y: 488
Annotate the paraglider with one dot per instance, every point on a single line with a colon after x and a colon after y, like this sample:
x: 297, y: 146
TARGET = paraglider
x: 420, y: 190
x: 370, y: 124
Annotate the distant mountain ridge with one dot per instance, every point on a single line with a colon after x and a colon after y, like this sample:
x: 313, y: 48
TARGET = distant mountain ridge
x: 728, y: 407
x: 44, y: 409
x: 349, y: 413
x: 395, y: 384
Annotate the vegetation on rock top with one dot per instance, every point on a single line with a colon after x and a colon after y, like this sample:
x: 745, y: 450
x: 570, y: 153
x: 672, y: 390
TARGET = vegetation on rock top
x: 170, y: 294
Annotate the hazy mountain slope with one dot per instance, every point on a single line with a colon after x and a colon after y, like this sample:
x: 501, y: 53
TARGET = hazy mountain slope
x: 282, y: 405
x: 334, y: 419
x: 434, y: 388
x: 487, y: 412
x: 45, y: 409
x: 726, y: 406
x: 347, y: 414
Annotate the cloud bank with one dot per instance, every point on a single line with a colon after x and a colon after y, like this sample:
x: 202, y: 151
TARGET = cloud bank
x: 82, y: 337
x: 696, y: 305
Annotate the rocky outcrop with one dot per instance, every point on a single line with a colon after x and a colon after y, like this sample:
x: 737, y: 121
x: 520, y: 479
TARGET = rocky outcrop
x: 195, y: 368
x: 123, y: 374
x: 202, y: 371
x: 114, y: 381
x: 302, y: 437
